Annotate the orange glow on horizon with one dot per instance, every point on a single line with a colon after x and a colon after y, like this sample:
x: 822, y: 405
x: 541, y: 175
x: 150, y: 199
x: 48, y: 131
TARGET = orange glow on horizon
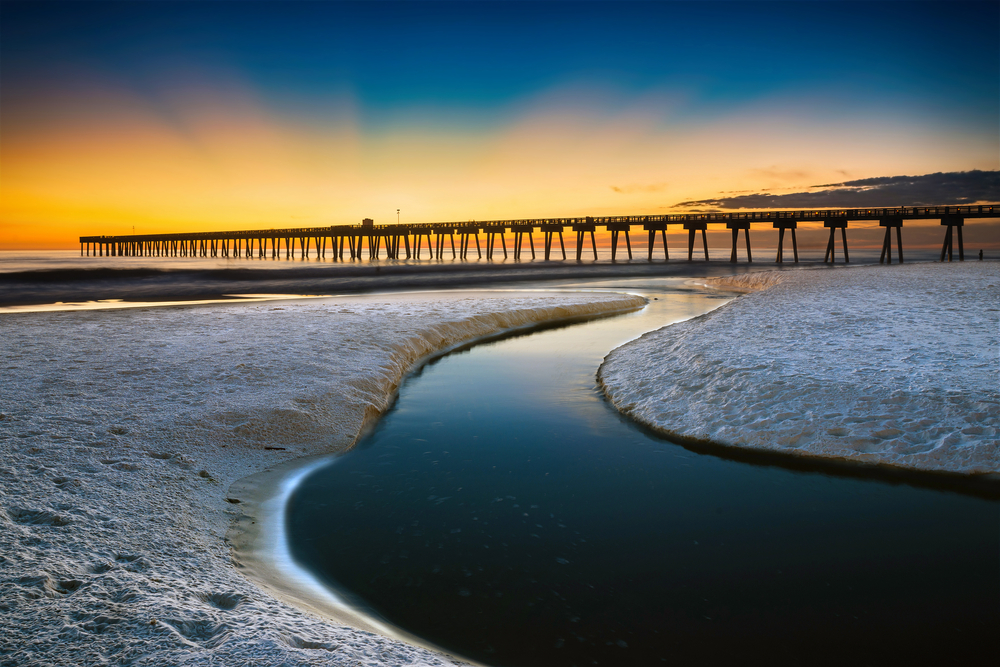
x: 207, y: 158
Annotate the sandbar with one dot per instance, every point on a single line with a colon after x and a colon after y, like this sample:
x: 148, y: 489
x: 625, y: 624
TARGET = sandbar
x: 887, y: 366
x: 122, y: 431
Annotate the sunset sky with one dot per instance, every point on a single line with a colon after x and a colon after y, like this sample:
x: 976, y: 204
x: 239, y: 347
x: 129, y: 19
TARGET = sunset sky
x: 174, y: 116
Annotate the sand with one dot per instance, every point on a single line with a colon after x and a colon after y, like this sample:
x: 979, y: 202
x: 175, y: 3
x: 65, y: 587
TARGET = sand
x: 891, y: 366
x: 122, y: 432
x: 128, y: 436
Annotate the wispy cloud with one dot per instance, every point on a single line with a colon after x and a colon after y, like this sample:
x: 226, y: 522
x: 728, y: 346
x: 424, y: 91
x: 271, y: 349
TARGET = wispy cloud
x: 631, y: 189
x: 778, y: 174
x: 952, y: 188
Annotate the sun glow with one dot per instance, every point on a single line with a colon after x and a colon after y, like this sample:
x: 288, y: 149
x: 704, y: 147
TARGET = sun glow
x: 92, y: 157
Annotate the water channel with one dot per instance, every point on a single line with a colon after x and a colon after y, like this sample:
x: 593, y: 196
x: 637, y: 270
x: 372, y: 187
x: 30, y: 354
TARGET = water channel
x: 504, y: 511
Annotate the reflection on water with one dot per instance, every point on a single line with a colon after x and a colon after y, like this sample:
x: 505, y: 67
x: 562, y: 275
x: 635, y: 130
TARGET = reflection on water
x: 504, y: 511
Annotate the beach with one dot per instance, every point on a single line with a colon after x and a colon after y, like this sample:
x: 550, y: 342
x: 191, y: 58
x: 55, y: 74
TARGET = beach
x: 123, y: 430
x: 141, y: 446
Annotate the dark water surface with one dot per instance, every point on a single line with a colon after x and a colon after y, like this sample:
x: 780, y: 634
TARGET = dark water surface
x: 505, y: 512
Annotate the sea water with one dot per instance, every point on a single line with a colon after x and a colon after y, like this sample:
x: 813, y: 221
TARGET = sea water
x: 20, y: 261
x: 504, y: 511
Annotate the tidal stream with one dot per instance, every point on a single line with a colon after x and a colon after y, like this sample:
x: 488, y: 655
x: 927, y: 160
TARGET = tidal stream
x: 504, y: 511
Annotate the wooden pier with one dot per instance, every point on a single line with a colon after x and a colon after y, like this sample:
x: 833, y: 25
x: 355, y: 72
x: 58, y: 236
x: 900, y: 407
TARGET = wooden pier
x: 394, y: 241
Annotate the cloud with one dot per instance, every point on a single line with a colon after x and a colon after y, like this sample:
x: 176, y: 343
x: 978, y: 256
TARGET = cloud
x: 630, y: 189
x: 944, y: 189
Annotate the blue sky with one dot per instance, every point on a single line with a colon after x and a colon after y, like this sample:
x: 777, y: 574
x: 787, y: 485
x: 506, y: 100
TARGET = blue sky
x: 482, y: 80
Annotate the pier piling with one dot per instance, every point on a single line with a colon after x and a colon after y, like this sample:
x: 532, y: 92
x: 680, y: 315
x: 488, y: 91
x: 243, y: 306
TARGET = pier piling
x: 891, y: 223
x: 954, y: 224
x: 781, y: 225
x: 833, y: 224
x: 693, y: 228
x: 736, y: 227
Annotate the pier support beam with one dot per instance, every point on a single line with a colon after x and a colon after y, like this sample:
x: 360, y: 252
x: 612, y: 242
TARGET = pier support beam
x: 890, y: 224
x: 736, y: 226
x: 953, y: 222
x: 581, y: 230
x: 692, y: 228
x: 520, y: 231
x: 491, y: 242
x: 466, y: 234
x: 652, y: 240
x: 550, y: 232
x: 781, y: 226
x: 615, y: 230
x: 833, y: 224
x: 562, y: 243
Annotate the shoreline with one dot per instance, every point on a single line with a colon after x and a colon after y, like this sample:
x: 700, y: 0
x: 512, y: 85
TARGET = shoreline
x: 144, y: 284
x: 113, y: 489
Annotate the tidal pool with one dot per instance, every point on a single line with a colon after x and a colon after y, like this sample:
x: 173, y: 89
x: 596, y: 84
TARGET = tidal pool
x: 504, y: 511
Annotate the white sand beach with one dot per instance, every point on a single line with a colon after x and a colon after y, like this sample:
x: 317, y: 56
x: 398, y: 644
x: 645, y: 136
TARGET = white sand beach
x: 881, y: 365
x: 123, y: 430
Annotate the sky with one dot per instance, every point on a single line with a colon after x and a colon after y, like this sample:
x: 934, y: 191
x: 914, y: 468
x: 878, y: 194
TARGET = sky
x: 197, y: 116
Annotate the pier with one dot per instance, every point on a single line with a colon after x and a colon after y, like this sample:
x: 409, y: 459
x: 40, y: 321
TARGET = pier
x: 393, y: 241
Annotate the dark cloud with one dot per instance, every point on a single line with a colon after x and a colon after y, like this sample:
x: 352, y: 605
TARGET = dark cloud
x: 940, y: 189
